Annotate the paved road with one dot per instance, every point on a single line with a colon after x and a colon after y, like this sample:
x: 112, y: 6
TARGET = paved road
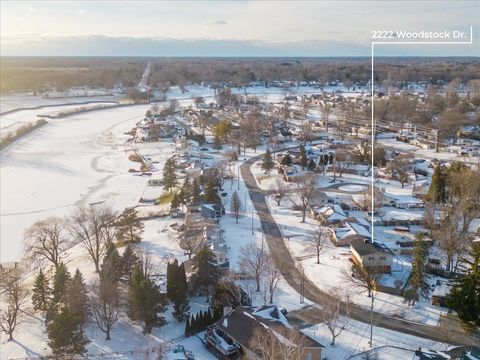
x: 449, y: 332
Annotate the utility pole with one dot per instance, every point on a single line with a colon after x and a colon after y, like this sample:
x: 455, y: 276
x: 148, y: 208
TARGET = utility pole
x: 253, y: 233
x: 371, y: 322
x: 302, y: 287
x: 334, y: 167
x: 245, y: 201
x: 414, y: 139
x: 435, y: 132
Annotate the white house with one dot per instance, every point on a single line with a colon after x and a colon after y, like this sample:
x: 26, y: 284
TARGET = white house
x: 371, y: 255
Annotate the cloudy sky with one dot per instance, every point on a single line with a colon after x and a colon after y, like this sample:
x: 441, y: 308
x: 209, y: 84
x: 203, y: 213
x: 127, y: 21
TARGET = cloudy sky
x: 228, y: 28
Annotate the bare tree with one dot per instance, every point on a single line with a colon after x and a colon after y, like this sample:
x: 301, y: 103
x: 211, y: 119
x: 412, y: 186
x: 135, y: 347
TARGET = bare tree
x: 304, y: 193
x: 277, y: 342
x: 198, y: 101
x: 105, y: 304
x: 235, y: 205
x: 326, y: 111
x: 93, y: 226
x: 145, y: 261
x: 332, y: 312
x: 365, y: 277
x: 45, y: 240
x: 342, y: 162
x: 399, y: 168
x: 456, y: 215
x: 193, y: 238
x: 252, y: 259
x: 14, y: 297
x: 272, y: 276
x: 280, y: 190
x: 316, y: 243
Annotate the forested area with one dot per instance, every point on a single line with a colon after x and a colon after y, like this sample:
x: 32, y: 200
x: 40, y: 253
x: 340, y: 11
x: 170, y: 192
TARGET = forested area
x: 20, y: 73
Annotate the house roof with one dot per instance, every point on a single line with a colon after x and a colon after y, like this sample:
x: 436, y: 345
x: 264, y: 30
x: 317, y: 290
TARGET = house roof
x: 352, y: 230
x: 332, y: 212
x: 363, y: 247
x: 242, y: 323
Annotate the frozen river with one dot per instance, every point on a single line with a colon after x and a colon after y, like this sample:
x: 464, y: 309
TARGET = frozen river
x: 68, y: 162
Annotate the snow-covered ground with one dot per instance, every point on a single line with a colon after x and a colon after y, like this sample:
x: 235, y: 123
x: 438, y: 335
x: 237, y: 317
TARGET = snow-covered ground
x: 69, y: 162
x: 9, y: 123
x: 355, y: 340
x: 28, y: 100
x: 84, y: 159
x: 334, y: 269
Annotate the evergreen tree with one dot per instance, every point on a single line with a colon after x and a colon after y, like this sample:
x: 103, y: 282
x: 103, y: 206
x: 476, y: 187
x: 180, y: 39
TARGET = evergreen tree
x: 188, y: 330
x: 175, y: 203
x: 61, y: 282
x: 112, y: 264
x: 129, y: 227
x: 41, y: 292
x: 464, y: 297
x: 311, y: 165
x: 217, y: 143
x: 217, y: 314
x: 128, y: 262
x: 177, y: 288
x: 145, y: 300
x: 169, y: 175
x: 77, y: 298
x: 267, y: 162
x: 211, y: 195
x: 303, y: 157
x: 286, y: 160
x: 227, y: 293
x: 418, y: 285
x: 65, y: 334
x: 437, y: 191
x: 205, y: 271
x: 196, y: 195
x: 185, y: 192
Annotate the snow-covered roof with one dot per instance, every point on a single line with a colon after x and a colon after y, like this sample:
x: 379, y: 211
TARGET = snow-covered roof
x: 442, y: 289
x: 332, y: 212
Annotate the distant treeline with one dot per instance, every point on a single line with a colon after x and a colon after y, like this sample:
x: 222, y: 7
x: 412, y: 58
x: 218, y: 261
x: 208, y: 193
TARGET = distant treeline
x: 32, y: 73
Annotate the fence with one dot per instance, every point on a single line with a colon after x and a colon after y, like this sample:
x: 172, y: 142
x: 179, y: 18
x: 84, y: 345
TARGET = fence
x: 152, y: 353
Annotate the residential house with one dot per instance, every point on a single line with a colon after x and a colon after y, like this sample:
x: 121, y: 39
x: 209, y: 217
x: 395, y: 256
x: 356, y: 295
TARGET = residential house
x: 408, y: 202
x: 212, y: 211
x: 350, y: 231
x: 331, y: 214
x: 246, y: 331
x: 371, y: 255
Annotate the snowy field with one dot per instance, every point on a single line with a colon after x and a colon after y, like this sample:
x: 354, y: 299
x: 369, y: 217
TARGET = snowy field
x: 28, y: 100
x: 69, y: 162
x: 10, y: 123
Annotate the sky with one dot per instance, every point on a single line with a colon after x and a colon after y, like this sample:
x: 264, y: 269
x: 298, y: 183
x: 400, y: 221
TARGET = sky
x: 229, y: 28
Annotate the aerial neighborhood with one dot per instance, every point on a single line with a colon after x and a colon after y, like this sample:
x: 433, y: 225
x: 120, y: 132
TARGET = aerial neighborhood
x: 260, y: 208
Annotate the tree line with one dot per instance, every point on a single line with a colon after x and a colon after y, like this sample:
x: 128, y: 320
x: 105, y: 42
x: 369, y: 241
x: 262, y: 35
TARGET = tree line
x: 36, y: 73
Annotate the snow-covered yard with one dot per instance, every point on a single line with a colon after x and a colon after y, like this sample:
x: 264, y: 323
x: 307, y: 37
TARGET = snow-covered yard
x: 355, y: 340
x: 69, y: 162
x: 334, y: 270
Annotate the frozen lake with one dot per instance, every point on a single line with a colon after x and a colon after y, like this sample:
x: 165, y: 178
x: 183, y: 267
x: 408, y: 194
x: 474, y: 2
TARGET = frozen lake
x: 68, y: 162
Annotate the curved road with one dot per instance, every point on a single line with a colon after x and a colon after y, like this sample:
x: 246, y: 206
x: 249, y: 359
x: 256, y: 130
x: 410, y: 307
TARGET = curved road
x: 449, y: 330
